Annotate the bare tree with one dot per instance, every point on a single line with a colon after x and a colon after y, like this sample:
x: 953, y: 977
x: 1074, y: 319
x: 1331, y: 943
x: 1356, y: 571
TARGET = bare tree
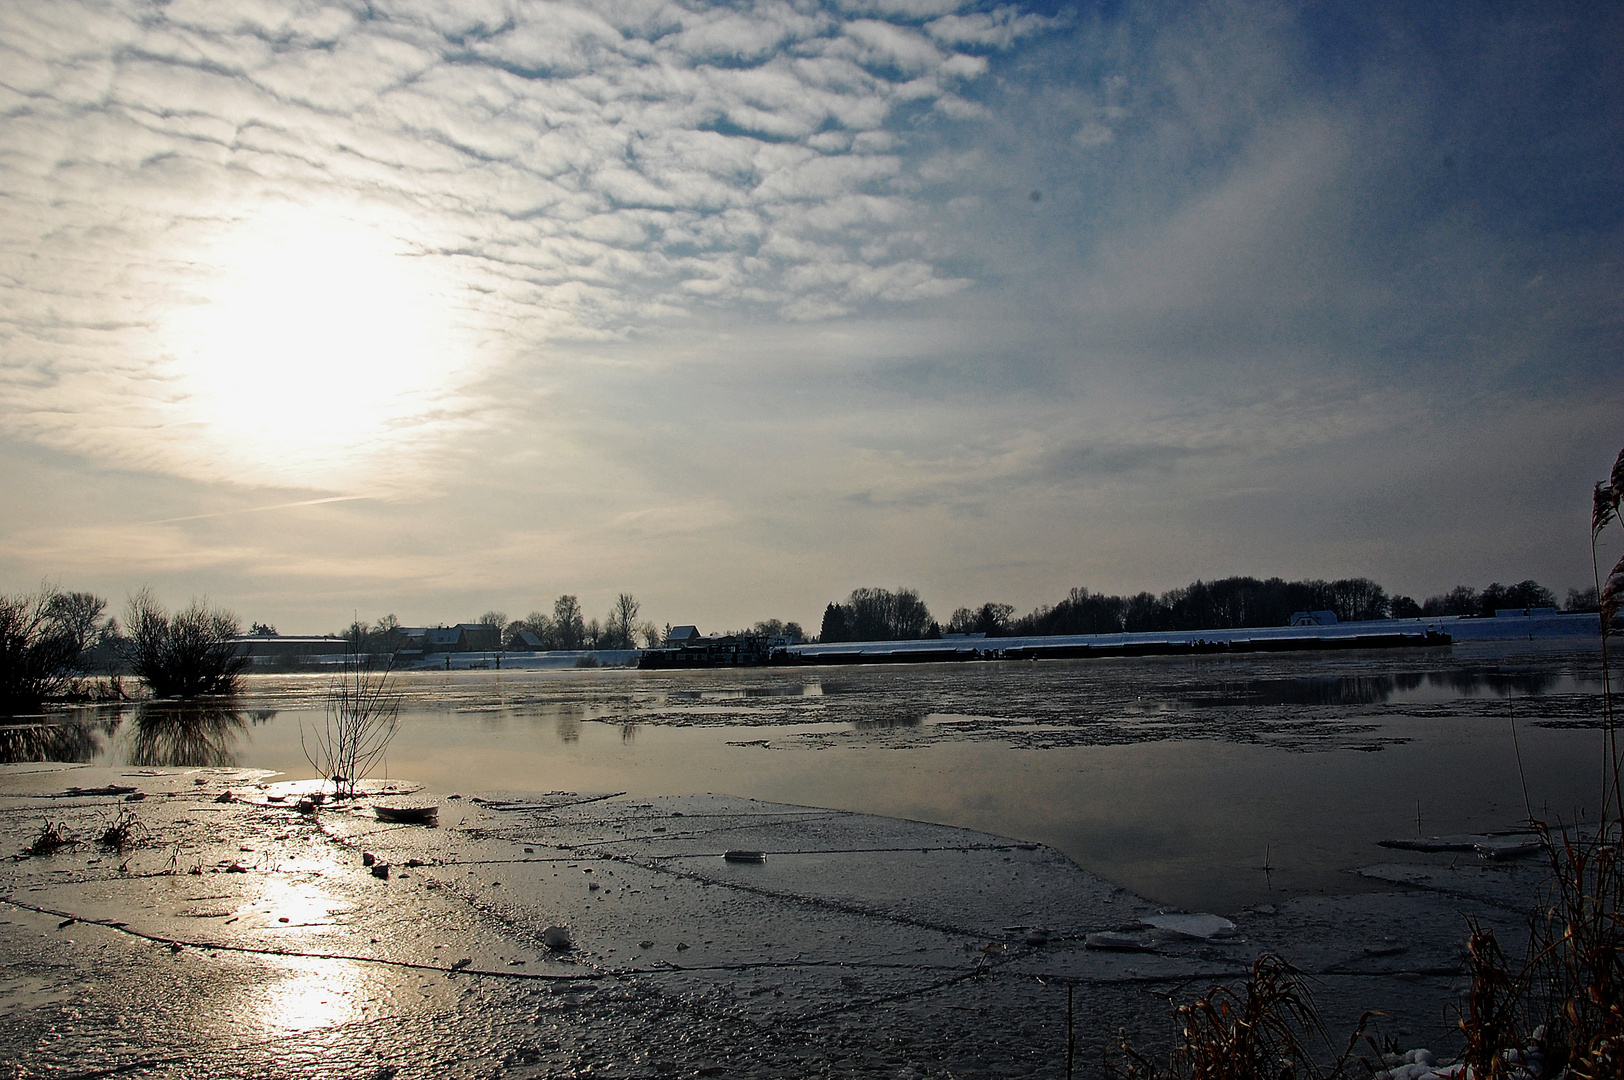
x: 568, y: 624
x: 622, y: 629
x: 79, y: 615
x: 536, y: 623
x: 39, y: 651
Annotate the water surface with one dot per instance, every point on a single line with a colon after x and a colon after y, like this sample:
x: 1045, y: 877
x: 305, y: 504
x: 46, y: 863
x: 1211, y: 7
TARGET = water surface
x: 1206, y: 783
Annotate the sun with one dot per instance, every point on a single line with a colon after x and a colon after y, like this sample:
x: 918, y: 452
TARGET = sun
x: 316, y: 343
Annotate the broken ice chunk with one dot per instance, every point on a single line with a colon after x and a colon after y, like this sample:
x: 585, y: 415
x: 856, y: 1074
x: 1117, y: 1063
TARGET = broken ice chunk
x: 1191, y: 926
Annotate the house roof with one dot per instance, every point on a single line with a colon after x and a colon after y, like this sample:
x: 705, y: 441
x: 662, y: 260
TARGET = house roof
x: 683, y: 633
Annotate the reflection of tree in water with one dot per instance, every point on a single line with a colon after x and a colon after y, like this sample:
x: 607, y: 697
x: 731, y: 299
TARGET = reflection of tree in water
x: 77, y: 739
x: 1516, y: 683
x: 196, y: 734
x: 1346, y: 690
x: 261, y: 716
x: 886, y: 723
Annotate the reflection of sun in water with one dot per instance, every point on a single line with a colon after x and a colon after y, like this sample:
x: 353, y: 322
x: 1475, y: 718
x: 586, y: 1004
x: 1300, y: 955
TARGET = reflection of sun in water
x: 303, y: 996
x: 319, y: 341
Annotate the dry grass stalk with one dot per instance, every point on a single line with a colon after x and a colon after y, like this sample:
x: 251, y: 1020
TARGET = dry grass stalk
x: 1492, y: 1015
x: 1266, y: 1028
x: 123, y: 831
x: 53, y: 836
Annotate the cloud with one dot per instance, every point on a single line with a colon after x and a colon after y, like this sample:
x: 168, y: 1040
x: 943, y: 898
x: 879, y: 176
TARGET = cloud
x: 645, y: 291
x: 561, y: 170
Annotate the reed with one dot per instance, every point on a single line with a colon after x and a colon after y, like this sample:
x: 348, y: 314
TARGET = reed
x: 1264, y: 1028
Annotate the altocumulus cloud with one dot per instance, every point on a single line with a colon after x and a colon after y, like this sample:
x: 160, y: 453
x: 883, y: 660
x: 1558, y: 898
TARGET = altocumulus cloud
x: 552, y: 170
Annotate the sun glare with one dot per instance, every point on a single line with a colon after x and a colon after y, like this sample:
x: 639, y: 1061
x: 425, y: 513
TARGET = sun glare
x: 316, y: 345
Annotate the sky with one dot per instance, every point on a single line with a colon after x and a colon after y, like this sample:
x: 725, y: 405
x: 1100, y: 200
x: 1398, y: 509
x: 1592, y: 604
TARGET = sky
x: 326, y: 310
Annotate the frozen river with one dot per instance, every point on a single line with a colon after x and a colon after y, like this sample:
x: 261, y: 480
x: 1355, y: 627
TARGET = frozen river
x: 1207, y: 783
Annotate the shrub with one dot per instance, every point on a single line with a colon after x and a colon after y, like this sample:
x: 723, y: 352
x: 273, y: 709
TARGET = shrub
x: 184, y: 655
x: 362, y: 716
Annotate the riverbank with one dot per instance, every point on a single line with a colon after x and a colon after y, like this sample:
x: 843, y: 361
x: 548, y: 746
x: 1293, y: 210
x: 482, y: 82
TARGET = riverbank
x: 244, y: 937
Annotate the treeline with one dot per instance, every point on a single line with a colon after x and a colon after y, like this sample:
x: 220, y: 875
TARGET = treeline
x: 1231, y: 603
x: 53, y: 640
x: 566, y: 627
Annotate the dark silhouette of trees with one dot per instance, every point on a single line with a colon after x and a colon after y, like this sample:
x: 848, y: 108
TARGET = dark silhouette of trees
x: 1405, y: 607
x: 1524, y: 594
x: 877, y: 615
x: 772, y: 628
x: 1585, y: 600
x: 1465, y: 600
x: 990, y: 619
x: 836, y: 624
x: 42, y: 637
x: 1461, y: 600
x: 184, y: 655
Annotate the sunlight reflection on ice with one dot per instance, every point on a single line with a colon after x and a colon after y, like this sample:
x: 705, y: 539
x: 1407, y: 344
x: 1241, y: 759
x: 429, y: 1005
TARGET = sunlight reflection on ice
x: 305, y: 995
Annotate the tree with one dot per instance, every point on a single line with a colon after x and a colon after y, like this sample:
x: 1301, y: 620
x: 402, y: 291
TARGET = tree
x: 39, y: 650
x: 536, y: 623
x: 877, y: 615
x: 622, y: 628
x: 1461, y: 600
x: 1524, y: 594
x: 79, y: 615
x: 1404, y: 607
x: 772, y: 628
x: 1583, y: 600
x: 497, y: 619
x: 836, y: 624
x: 1358, y: 599
x: 569, y: 627
x: 185, y: 655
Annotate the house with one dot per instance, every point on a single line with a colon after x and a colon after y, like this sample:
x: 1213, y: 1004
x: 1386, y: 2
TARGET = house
x: 527, y: 640
x: 1313, y: 618
x: 442, y: 639
x: 479, y: 637
x: 682, y: 635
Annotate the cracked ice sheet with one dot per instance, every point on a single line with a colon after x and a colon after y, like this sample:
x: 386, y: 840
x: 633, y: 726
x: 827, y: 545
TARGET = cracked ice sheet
x: 792, y: 957
x: 954, y: 879
x: 849, y: 915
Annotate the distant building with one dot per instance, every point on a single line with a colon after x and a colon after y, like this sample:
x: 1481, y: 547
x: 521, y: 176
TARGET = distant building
x: 1313, y: 618
x: 691, y: 650
x: 682, y: 635
x: 479, y: 637
x: 527, y: 640
x: 442, y: 639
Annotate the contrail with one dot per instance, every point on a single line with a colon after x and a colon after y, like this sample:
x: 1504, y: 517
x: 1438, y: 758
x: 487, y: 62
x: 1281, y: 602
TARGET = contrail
x: 257, y: 509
